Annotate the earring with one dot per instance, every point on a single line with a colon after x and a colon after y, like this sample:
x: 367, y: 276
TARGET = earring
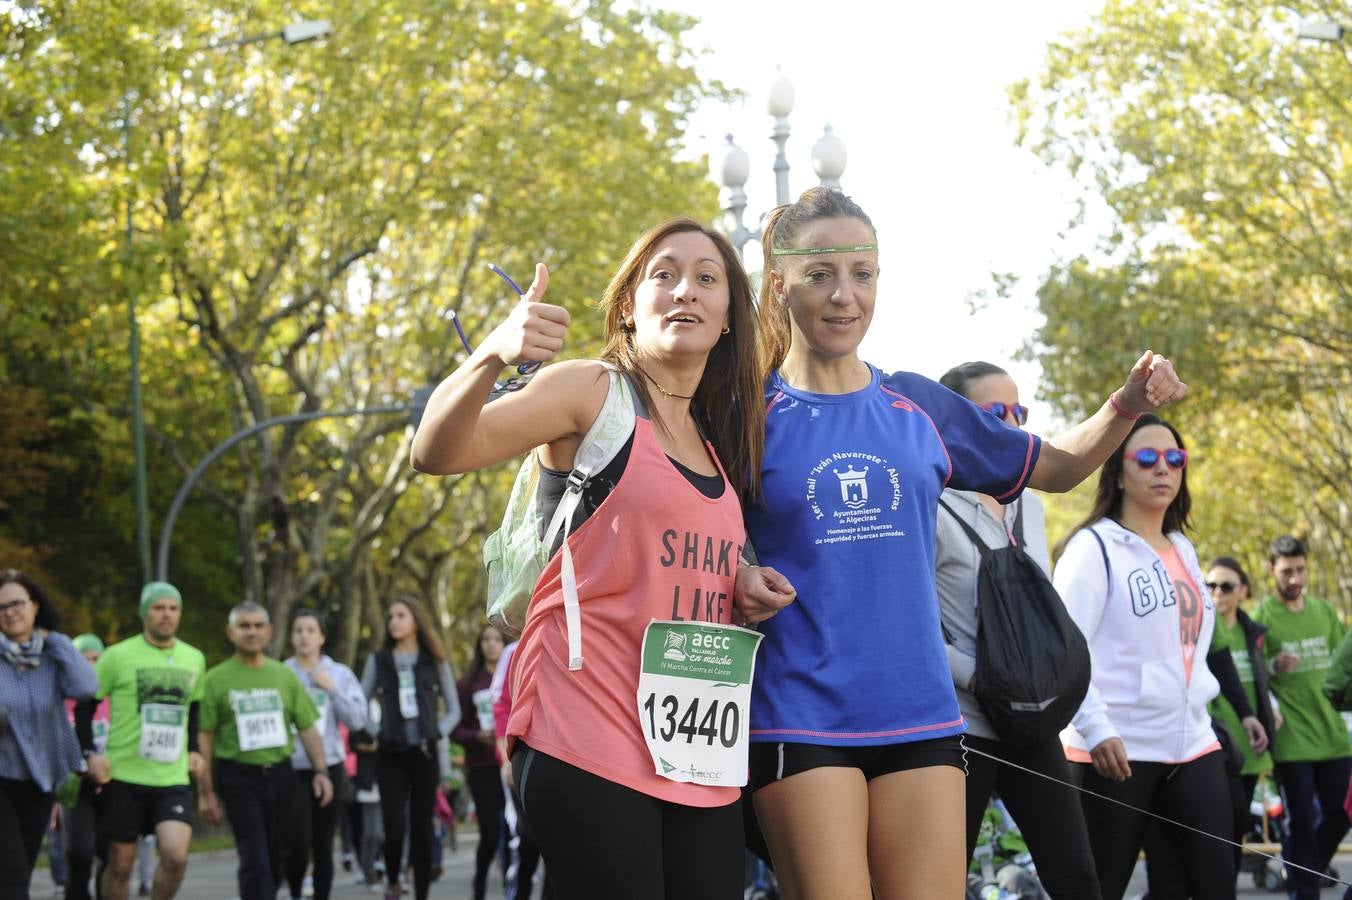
x: 726, y: 329
x: 629, y: 323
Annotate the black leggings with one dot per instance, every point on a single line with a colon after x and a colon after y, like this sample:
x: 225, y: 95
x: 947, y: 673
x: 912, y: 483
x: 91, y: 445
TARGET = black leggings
x: 1167, y: 878
x: 408, y: 784
x: 1195, y: 793
x: 527, y: 860
x: 485, y: 786
x: 312, y: 828
x: 80, y: 826
x: 24, y: 811
x: 603, y: 841
x: 1048, y: 814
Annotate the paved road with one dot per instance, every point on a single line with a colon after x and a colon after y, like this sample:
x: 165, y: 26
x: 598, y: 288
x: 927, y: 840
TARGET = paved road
x: 211, y: 876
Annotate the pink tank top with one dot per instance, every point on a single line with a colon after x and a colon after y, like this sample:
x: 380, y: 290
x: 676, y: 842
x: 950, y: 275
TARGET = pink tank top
x: 656, y: 548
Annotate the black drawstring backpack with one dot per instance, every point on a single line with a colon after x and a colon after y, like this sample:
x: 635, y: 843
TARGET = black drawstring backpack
x: 1032, y: 662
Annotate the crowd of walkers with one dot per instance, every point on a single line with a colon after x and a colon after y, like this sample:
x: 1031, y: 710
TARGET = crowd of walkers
x: 288, y: 752
x: 772, y: 628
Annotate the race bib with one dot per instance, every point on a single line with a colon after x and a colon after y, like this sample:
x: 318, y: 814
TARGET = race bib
x: 259, y: 721
x: 320, y: 698
x: 162, y: 730
x: 483, y: 705
x: 408, y: 695
x: 694, y: 693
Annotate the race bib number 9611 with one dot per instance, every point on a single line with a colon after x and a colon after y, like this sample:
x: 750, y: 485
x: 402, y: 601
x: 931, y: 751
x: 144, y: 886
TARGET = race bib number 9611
x: 694, y: 691
x: 260, y: 721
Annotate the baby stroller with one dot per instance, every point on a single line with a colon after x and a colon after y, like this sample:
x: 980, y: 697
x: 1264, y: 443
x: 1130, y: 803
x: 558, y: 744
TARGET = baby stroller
x: 1268, y: 826
x: 1002, y: 868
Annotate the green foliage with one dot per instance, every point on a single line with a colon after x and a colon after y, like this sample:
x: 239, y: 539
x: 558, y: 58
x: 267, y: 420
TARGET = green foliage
x: 1220, y: 142
x: 305, y: 221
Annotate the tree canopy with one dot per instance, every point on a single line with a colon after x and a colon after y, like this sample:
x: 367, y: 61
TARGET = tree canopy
x: 1219, y: 142
x: 304, y: 222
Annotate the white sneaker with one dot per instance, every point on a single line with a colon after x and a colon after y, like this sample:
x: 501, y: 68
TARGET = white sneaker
x: 307, y: 887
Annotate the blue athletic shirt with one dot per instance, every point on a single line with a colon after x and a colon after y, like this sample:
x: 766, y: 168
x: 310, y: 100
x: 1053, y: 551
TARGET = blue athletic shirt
x: 851, y: 487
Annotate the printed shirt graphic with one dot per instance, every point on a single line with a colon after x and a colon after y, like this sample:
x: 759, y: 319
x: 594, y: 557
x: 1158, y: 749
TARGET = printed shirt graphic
x: 1232, y: 637
x: 234, y: 690
x: 851, y: 485
x: 656, y: 548
x: 1189, y: 600
x: 140, y: 680
x: 1313, y: 731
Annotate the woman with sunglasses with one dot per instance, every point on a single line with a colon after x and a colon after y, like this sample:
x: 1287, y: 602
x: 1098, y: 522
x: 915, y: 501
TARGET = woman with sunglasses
x: 1143, y: 736
x: 658, y: 527
x: 855, y: 727
x: 1237, y: 641
x: 1049, y: 815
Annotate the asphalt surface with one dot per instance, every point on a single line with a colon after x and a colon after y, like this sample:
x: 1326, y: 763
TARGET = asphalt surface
x: 211, y: 876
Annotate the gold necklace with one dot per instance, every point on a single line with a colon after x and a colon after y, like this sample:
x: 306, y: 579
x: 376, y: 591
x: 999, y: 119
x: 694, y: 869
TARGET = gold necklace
x: 664, y: 390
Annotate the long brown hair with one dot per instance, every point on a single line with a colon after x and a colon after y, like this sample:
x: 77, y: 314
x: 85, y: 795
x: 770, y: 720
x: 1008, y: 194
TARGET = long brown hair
x: 728, y: 402
x: 1108, y: 494
x: 427, y: 636
x: 781, y: 228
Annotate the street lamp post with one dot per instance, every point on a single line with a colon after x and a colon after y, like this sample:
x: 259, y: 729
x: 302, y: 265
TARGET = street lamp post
x: 732, y: 166
x: 295, y: 33
x: 415, y: 407
x: 1322, y: 31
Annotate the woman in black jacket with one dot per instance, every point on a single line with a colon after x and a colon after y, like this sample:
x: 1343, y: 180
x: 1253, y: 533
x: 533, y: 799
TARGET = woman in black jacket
x: 411, y: 681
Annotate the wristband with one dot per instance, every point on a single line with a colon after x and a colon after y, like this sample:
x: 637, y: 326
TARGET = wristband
x: 1112, y: 401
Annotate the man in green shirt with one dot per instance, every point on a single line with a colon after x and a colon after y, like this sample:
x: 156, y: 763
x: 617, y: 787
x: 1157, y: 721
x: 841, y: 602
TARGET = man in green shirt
x: 250, y: 705
x: 1312, y: 751
x: 153, y: 683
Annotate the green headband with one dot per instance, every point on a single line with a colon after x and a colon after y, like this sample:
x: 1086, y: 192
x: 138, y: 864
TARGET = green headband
x: 157, y: 590
x: 813, y: 251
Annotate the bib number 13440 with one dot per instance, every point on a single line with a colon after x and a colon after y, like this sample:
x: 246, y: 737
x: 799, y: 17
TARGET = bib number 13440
x: 694, y: 691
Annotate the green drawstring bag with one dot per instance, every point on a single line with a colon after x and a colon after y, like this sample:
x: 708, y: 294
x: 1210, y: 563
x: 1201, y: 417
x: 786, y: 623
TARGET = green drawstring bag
x: 516, y: 554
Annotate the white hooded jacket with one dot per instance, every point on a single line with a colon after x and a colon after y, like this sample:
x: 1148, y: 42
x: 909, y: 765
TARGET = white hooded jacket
x: 1138, y: 690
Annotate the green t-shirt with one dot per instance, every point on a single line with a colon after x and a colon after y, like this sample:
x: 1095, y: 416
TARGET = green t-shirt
x: 1232, y: 637
x: 250, y: 711
x: 1313, y: 731
x: 149, y: 690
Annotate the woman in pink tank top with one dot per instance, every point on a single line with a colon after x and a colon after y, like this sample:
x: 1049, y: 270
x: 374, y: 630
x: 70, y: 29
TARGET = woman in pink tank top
x: 657, y: 538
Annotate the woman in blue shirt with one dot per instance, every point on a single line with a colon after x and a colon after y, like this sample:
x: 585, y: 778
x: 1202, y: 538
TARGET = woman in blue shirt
x: 855, y: 727
x: 39, y: 669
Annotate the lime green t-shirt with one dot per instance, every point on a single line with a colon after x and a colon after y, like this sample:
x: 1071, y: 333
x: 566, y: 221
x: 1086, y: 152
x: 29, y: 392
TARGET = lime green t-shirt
x: 149, y: 690
x: 1313, y: 731
x: 1232, y: 637
x: 250, y: 710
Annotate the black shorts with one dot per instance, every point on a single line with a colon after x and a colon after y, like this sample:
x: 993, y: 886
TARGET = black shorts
x: 126, y: 811
x: 773, y: 762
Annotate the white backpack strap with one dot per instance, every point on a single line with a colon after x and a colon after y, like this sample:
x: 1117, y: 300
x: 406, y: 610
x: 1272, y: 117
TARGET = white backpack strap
x: 602, y: 442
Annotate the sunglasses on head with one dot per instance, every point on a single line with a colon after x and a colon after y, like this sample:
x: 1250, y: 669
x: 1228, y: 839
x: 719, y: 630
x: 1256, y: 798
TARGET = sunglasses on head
x: 1000, y: 410
x: 525, y: 371
x: 1225, y: 587
x: 1147, y: 457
